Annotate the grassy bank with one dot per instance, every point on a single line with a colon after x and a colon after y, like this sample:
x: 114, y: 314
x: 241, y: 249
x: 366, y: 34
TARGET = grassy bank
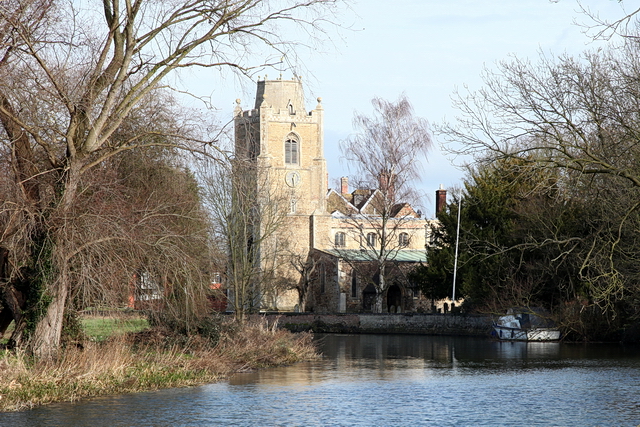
x: 131, y: 362
x: 100, y: 328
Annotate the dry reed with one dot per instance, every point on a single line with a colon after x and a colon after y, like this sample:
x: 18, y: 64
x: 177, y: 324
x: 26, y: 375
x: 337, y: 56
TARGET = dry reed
x: 125, y: 364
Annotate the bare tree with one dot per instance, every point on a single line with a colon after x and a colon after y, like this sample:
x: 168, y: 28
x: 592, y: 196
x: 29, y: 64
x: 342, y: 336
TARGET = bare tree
x: 606, y: 29
x: 137, y: 213
x: 386, y: 154
x: 247, y: 216
x: 578, y: 116
x: 307, y: 266
x: 70, y: 77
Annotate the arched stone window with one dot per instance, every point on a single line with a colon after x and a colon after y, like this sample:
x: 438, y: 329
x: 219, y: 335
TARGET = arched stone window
x: 371, y: 240
x: 292, y: 150
x: 403, y: 240
x: 340, y: 240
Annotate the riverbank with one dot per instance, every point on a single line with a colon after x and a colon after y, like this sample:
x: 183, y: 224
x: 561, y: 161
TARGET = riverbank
x: 367, y: 323
x: 145, y: 361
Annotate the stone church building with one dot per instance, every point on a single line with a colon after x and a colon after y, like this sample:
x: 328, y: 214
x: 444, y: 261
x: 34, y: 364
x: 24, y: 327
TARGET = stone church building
x: 328, y: 236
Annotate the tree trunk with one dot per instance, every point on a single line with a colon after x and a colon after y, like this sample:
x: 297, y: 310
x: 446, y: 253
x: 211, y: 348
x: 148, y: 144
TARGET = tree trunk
x: 23, y: 153
x: 240, y: 316
x: 15, y: 304
x: 380, y: 289
x: 302, y: 299
x: 6, y: 315
x: 377, y: 307
x: 44, y: 341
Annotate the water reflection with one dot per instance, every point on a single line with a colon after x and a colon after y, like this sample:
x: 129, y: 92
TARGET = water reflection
x: 394, y: 355
x: 439, y: 350
x: 381, y: 380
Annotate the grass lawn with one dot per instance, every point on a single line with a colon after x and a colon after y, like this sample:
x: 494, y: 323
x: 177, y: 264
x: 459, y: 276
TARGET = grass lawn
x: 99, y: 328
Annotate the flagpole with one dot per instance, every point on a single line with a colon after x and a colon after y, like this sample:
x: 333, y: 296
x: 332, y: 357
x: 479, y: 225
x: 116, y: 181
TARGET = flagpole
x: 455, y: 262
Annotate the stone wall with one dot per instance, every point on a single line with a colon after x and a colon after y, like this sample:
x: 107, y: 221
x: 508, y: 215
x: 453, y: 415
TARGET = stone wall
x: 408, y: 323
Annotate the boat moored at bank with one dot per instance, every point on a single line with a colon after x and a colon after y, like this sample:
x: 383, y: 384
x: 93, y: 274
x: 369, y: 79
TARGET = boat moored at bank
x: 525, y: 325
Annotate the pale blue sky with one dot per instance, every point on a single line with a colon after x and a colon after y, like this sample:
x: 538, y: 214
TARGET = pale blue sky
x: 424, y: 48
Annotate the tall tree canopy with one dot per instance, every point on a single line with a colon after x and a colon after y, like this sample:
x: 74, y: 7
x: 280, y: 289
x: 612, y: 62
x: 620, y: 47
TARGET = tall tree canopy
x: 577, y: 118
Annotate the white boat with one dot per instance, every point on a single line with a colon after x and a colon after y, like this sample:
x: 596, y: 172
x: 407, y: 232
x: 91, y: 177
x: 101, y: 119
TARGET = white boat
x: 525, y: 325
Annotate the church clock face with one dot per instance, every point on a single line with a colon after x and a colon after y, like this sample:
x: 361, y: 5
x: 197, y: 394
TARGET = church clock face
x: 292, y: 179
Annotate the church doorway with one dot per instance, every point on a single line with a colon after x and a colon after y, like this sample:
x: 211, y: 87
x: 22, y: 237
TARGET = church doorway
x: 394, y: 299
x: 368, y: 297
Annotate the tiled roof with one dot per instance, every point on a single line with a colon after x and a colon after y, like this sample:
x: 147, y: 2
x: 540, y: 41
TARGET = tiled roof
x: 368, y: 202
x: 403, y: 255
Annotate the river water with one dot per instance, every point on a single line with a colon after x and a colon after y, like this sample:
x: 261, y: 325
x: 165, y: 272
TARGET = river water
x: 393, y: 380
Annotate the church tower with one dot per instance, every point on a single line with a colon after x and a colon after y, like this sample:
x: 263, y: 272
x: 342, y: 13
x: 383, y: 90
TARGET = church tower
x: 286, y: 143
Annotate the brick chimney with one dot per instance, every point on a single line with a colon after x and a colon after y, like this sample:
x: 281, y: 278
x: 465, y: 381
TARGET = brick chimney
x: 441, y: 199
x: 387, y: 184
x: 344, y: 185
